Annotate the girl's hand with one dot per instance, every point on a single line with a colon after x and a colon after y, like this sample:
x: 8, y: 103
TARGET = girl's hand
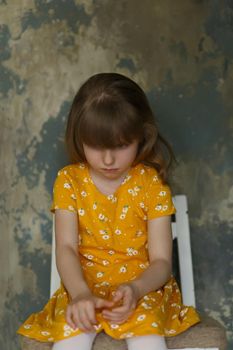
x: 80, y: 313
x: 128, y: 295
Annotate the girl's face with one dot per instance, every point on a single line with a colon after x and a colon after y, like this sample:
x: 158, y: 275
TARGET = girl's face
x: 111, y: 163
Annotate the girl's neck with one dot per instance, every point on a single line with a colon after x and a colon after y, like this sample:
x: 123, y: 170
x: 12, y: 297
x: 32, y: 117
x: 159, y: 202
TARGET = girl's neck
x: 106, y: 186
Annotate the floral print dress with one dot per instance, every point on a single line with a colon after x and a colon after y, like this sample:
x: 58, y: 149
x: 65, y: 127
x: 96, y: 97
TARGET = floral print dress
x: 112, y: 245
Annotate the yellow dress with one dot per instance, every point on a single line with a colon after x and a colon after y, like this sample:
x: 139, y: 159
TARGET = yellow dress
x: 113, y: 250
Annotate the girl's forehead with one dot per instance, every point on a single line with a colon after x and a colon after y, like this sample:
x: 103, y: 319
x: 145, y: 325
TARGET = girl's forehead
x: 103, y: 148
x: 108, y: 140
x: 110, y: 130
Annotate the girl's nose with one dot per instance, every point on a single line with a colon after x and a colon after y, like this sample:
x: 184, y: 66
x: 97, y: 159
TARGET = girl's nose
x: 108, y: 157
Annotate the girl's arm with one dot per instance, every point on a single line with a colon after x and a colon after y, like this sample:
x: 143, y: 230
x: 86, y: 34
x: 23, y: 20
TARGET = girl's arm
x: 160, y: 256
x: 81, y: 310
x: 67, y: 257
x: 154, y: 277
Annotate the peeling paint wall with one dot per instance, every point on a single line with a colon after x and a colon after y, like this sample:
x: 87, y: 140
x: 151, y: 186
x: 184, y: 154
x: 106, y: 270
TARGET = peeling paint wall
x: 181, y: 52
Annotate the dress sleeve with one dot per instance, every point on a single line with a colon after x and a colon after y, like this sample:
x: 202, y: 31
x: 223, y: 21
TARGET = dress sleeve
x: 159, y: 199
x: 64, y: 196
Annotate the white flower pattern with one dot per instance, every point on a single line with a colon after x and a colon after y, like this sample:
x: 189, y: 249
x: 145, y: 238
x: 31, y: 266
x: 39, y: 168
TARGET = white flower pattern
x: 67, y: 185
x: 141, y: 317
x: 123, y: 269
x: 81, y: 212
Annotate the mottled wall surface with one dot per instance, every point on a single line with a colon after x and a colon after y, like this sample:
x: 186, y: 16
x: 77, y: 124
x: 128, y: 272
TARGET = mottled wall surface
x: 181, y: 52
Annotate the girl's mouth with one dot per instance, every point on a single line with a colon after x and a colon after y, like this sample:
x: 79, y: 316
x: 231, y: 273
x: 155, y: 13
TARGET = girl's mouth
x: 110, y: 169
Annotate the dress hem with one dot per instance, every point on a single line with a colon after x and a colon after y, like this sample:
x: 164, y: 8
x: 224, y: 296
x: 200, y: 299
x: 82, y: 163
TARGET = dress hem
x: 182, y: 329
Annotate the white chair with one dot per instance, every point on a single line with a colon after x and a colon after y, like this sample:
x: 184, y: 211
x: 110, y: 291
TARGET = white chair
x: 207, y: 335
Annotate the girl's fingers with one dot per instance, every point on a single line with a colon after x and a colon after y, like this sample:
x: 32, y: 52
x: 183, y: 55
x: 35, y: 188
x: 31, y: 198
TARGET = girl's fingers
x: 118, y: 310
x: 117, y: 296
x: 76, y: 320
x: 69, y: 319
x: 119, y: 319
x: 118, y: 314
x: 83, y: 321
x: 102, y: 303
x: 112, y: 315
x: 90, y: 311
x: 125, y: 294
x: 127, y: 304
x: 127, y: 297
x: 82, y: 317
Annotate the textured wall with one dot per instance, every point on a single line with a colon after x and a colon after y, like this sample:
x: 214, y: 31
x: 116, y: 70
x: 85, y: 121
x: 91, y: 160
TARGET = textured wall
x: 181, y: 52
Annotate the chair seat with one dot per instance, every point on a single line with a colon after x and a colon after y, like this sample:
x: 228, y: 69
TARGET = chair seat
x: 206, y: 334
x: 209, y: 333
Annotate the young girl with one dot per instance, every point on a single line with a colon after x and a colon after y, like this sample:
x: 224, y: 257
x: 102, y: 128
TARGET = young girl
x: 113, y: 211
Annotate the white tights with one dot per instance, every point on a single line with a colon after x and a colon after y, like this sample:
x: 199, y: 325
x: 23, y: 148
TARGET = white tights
x: 148, y: 342
x: 84, y: 341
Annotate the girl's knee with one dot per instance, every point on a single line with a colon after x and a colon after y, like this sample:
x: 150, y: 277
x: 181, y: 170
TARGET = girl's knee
x: 148, y: 342
x: 82, y: 341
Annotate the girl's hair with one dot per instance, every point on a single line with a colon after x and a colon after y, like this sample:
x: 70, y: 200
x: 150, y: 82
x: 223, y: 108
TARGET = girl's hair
x: 111, y: 110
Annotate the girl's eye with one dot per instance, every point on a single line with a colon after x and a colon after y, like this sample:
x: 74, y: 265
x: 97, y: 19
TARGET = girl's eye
x: 122, y: 146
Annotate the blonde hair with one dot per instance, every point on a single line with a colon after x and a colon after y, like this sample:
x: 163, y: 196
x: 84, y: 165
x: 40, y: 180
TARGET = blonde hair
x: 110, y: 110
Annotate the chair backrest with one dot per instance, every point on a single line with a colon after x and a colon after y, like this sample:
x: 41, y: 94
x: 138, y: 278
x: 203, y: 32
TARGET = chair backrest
x: 180, y: 230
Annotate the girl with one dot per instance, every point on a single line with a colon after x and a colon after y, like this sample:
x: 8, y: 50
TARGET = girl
x: 113, y: 211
